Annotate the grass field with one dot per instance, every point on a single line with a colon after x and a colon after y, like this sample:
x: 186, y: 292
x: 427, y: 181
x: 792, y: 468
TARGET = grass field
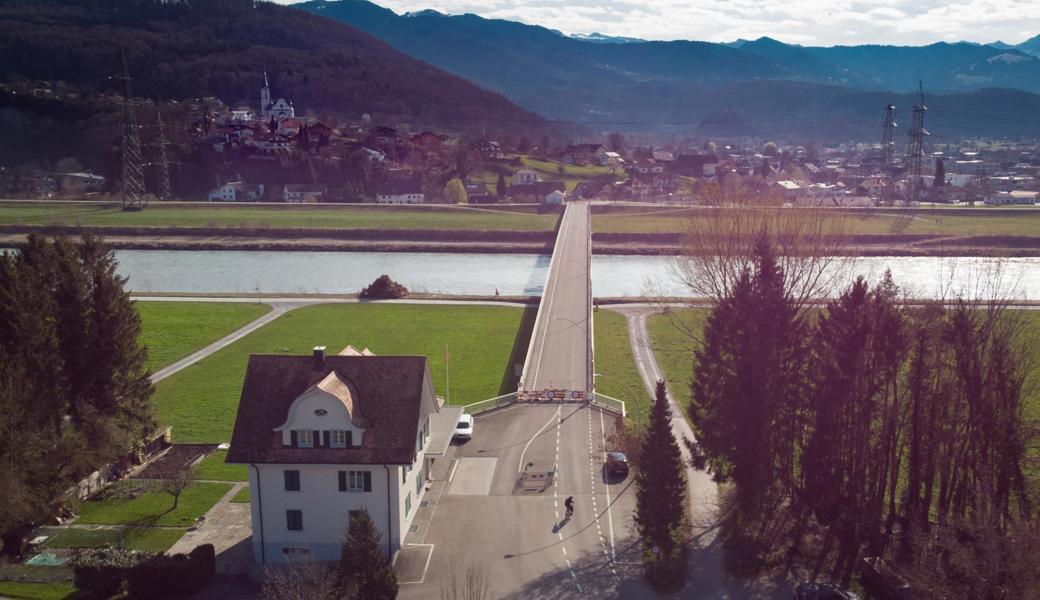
x: 149, y: 539
x: 201, y: 401
x: 173, y: 330
x: 242, y: 496
x: 214, y: 468
x: 550, y: 171
x: 153, y: 507
x: 274, y: 215
x: 616, y: 368
x: 673, y: 348
x: 972, y: 222
x: 18, y: 590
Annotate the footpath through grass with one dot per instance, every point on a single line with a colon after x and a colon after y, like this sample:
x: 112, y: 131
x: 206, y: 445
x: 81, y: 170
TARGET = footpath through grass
x: 201, y: 401
x: 673, y: 347
x: 618, y: 376
x: 173, y: 330
x: 271, y: 216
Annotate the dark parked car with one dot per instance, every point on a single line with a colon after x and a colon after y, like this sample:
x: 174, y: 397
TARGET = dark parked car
x: 617, y: 464
x: 822, y: 591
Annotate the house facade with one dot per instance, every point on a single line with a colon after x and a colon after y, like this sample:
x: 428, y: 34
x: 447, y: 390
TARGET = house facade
x: 400, y: 193
x: 525, y: 177
x: 327, y: 436
x: 237, y: 191
x: 303, y: 192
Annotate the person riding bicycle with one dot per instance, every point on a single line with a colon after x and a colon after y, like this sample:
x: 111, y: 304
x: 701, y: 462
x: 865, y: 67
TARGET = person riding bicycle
x: 569, y: 505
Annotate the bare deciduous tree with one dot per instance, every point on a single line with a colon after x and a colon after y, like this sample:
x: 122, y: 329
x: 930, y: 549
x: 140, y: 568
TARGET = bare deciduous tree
x: 300, y: 581
x: 173, y: 479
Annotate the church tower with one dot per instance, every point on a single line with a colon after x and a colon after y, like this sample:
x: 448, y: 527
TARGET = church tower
x: 265, y: 99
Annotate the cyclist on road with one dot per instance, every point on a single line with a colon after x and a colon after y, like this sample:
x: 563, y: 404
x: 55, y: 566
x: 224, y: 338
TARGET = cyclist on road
x: 569, y: 505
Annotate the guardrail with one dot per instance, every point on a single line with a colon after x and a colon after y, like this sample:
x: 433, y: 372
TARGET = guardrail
x: 608, y: 403
x: 476, y: 408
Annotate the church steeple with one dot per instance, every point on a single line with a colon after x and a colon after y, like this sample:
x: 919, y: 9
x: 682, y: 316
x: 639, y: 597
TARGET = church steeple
x: 265, y: 99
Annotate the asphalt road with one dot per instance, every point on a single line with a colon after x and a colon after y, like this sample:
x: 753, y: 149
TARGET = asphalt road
x: 559, y: 352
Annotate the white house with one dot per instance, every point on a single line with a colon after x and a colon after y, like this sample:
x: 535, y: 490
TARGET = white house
x: 237, y: 191
x: 303, y: 192
x: 525, y: 177
x: 400, y: 192
x: 325, y: 436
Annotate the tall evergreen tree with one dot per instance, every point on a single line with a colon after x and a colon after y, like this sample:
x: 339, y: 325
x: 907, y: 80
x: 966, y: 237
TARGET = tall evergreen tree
x: 364, y: 570
x: 661, y: 499
x: 500, y: 186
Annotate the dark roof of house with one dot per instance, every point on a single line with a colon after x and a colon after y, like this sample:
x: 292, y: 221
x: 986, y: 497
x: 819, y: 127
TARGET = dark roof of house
x: 394, y: 188
x: 583, y: 148
x: 389, y: 394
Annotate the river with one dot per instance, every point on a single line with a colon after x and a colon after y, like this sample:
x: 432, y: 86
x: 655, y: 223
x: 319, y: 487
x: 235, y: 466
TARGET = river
x: 511, y: 274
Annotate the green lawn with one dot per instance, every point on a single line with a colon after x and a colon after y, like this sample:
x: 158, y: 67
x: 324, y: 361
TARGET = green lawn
x: 19, y: 590
x: 153, y: 507
x: 214, y: 468
x: 242, y: 496
x: 150, y: 539
x: 618, y: 376
x: 673, y: 347
x: 926, y: 221
x: 173, y: 330
x: 550, y: 171
x: 201, y: 401
x: 274, y: 215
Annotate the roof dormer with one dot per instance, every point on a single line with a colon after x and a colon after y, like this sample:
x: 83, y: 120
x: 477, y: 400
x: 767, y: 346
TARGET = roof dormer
x: 329, y: 405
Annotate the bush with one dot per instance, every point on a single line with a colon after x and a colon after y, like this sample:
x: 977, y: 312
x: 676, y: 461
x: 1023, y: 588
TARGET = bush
x: 384, y: 288
x: 101, y: 572
x: 177, y: 576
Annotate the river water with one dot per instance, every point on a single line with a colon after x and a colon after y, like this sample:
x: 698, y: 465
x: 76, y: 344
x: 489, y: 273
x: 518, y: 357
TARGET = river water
x: 511, y: 274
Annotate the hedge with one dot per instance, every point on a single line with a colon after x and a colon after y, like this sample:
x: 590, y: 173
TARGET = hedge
x: 102, y: 573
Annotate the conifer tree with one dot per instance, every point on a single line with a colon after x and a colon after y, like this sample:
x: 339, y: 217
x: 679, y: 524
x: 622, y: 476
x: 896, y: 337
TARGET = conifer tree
x: 364, y: 570
x: 661, y: 500
x: 500, y: 186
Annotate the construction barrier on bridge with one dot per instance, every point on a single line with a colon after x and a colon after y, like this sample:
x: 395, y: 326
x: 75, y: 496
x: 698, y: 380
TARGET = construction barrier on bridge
x: 490, y: 404
x: 551, y: 395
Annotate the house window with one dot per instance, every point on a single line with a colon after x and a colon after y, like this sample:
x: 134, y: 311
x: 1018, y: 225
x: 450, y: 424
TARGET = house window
x: 339, y: 439
x: 407, y: 504
x: 305, y: 438
x: 292, y: 481
x: 294, y: 520
x: 355, y: 481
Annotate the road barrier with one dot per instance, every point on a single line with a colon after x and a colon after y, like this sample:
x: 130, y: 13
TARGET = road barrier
x: 608, y: 403
x: 476, y: 408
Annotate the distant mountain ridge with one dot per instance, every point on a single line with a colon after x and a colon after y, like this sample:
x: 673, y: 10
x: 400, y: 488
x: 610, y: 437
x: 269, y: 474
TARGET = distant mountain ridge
x: 600, y: 79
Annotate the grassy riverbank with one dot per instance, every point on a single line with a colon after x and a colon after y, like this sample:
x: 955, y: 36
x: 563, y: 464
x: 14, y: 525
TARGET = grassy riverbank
x: 173, y: 330
x: 201, y: 401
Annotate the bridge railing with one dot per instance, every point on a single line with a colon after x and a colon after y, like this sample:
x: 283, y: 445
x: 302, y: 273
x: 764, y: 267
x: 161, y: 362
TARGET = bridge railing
x: 476, y: 408
x: 609, y: 403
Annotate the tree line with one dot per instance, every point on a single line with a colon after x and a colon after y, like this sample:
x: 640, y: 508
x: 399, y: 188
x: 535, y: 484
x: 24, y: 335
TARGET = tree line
x: 898, y: 431
x: 74, y: 389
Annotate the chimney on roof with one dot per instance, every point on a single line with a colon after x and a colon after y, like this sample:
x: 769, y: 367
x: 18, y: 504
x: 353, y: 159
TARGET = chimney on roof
x: 319, y: 358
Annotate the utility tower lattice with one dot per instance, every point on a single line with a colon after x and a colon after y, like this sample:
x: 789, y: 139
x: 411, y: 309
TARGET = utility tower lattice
x: 888, y: 131
x: 133, y: 175
x: 163, y: 191
x: 915, y: 146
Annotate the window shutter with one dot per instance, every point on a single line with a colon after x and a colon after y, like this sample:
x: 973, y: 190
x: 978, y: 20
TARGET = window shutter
x: 342, y: 481
x: 293, y: 441
x: 350, y: 438
x: 325, y: 436
x: 368, y: 481
x: 316, y: 436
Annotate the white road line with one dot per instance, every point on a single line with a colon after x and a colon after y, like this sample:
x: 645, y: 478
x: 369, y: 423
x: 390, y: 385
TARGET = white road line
x: 520, y: 467
x: 454, y: 465
x: 610, y: 519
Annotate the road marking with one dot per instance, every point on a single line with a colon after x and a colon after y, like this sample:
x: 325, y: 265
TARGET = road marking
x: 520, y: 467
x: 454, y: 465
x: 426, y: 567
x: 610, y: 518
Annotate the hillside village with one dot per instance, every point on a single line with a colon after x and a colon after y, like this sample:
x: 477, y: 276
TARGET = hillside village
x: 270, y: 152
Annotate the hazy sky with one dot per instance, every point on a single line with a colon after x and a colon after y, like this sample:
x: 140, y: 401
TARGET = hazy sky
x: 809, y: 22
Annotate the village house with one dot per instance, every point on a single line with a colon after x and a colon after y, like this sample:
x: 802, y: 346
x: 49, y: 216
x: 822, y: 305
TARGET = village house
x: 487, y: 149
x: 584, y: 154
x: 1017, y: 197
x: 237, y: 191
x: 525, y: 177
x: 400, y: 192
x: 327, y: 436
x: 78, y: 184
x: 306, y: 193
x: 695, y: 165
x: 555, y: 197
x: 427, y: 140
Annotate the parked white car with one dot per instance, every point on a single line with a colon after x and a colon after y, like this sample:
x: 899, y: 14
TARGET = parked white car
x: 464, y: 428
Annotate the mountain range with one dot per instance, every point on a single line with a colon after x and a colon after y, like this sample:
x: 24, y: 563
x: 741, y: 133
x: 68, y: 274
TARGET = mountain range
x: 613, y: 81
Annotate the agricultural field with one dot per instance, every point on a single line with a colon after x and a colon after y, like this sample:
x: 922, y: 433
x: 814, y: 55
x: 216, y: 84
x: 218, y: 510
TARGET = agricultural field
x: 173, y: 330
x: 925, y: 222
x: 272, y: 216
x: 200, y: 402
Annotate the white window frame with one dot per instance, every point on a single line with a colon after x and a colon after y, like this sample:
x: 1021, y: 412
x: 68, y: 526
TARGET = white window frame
x: 338, y: 438
x: 355, y: 481
x: 301, y: 434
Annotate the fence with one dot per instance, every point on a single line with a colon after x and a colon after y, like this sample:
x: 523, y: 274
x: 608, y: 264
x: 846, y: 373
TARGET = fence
x: 608, y: 403
x: 490, y: 404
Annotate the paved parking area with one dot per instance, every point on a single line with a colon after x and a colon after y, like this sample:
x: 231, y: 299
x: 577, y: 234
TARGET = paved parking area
x: 521, y: 540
